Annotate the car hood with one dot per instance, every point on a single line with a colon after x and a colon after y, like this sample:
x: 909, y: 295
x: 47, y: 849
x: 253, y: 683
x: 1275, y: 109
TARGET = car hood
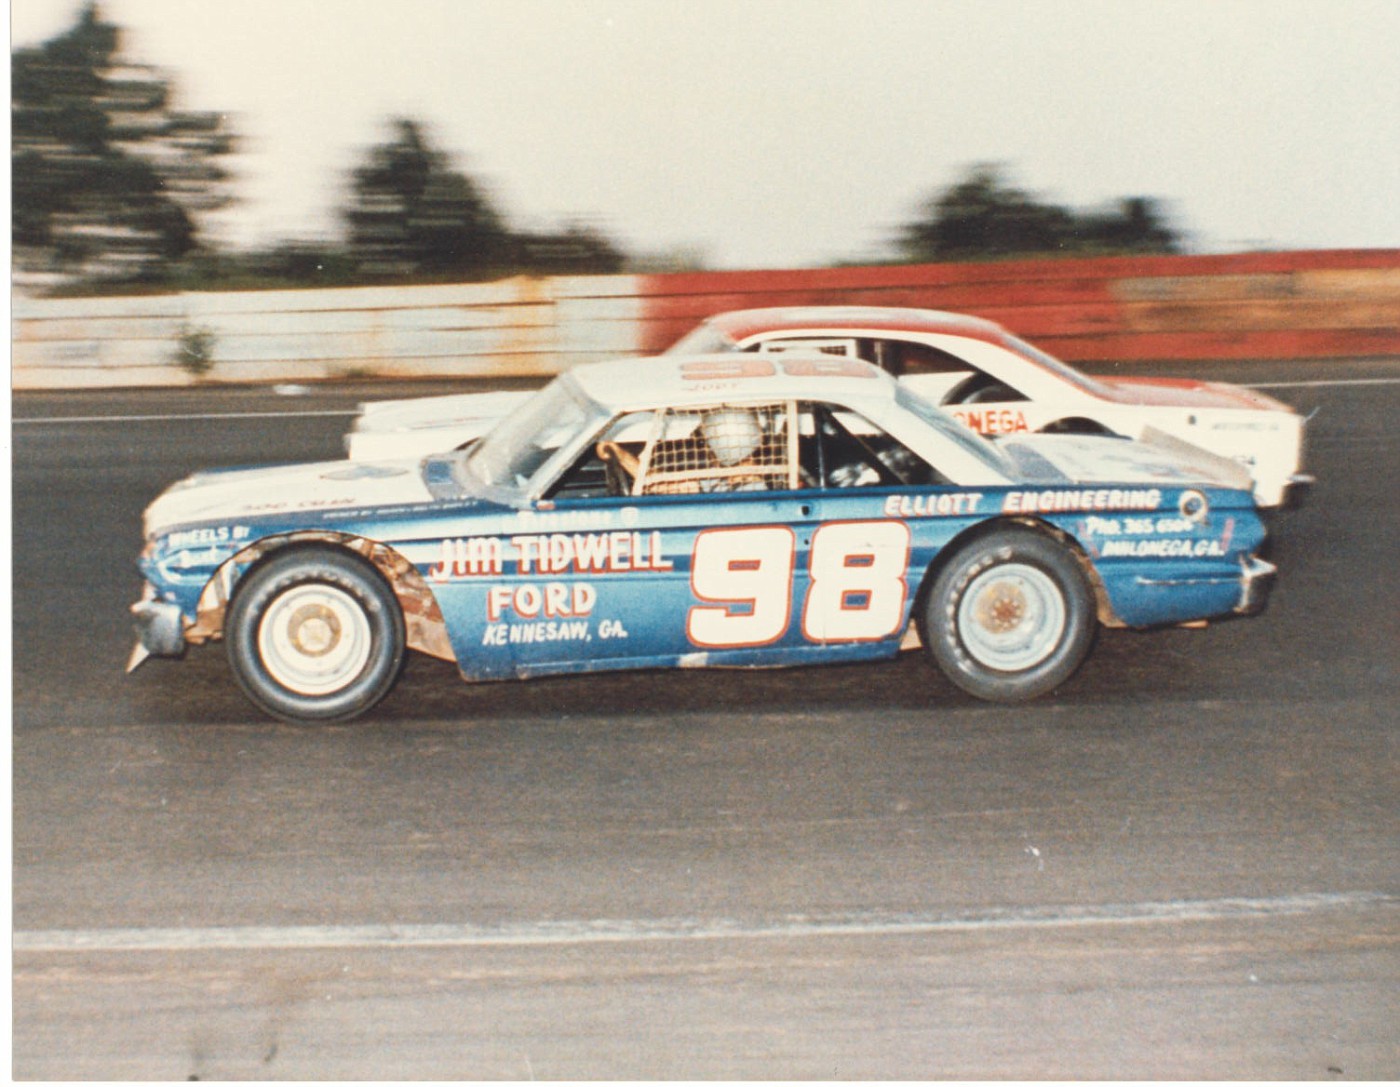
x: 1082, y: 458
x: 425, y: 413
x: 1165, y: 392
x: 234, y: 494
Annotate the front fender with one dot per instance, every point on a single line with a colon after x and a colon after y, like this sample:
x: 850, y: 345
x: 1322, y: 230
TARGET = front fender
x: 423, y: 621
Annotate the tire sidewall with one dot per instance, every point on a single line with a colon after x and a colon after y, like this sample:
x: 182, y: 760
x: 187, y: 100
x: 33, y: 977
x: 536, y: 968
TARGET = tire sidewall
x: 945, y: 642
x: 371, y: 594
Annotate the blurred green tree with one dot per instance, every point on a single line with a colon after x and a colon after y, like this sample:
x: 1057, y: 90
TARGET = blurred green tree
x: 411, y: 215
x: 578, y: 249
x: 984, y: 216
x: 1136, y: 224
x: 108, y: 178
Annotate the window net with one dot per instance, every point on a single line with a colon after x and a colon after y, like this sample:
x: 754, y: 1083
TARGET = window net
x: 724, y: 448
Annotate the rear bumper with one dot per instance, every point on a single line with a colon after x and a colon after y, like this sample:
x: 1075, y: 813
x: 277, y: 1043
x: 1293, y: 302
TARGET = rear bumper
x: 1282, y: 492
x: 1154, y: 601
x: 1256, y: 579
x: 1296, y: 489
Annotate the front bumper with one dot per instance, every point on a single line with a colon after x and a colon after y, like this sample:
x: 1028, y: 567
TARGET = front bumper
x: 160, y: 630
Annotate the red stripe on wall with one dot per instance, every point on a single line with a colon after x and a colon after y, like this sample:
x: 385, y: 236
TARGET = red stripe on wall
x: 1103, y: 308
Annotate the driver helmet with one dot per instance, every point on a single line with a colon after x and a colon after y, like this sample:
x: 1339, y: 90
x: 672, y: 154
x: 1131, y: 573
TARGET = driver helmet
x: 733, y: 434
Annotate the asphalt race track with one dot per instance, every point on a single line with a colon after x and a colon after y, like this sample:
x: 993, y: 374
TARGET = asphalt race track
x: 1182, y: 865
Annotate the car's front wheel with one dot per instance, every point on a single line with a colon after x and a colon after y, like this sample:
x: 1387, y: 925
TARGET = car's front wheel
x: 1010, y: 617
x: 315, y: 635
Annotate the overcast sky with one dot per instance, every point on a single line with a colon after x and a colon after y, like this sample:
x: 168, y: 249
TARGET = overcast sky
x: 784, y: 133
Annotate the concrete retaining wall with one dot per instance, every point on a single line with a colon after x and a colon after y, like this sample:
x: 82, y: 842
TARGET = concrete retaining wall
x: 518, y: 327
x: 1333, y: 304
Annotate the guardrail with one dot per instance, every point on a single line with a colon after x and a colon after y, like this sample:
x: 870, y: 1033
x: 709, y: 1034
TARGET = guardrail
x: 1329, y: 304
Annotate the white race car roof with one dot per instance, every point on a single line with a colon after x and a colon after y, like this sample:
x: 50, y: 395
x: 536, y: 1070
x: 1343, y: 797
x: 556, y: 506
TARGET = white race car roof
x: 739, y: 325
x: 683, y: 380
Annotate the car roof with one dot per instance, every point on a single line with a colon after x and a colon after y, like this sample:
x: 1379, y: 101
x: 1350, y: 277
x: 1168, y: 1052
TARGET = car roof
x: 741, y: 324
x: 683, y: 380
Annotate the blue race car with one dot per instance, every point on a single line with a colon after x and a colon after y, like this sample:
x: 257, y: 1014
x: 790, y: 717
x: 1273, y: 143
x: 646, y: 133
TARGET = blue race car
x: 728, y: 510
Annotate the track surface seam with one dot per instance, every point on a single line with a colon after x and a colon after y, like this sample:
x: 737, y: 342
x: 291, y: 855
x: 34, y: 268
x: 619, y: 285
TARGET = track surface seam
x: 861, y: 923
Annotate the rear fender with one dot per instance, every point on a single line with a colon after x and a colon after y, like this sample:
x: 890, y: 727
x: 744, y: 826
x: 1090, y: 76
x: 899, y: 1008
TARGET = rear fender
x: 1103, y: 607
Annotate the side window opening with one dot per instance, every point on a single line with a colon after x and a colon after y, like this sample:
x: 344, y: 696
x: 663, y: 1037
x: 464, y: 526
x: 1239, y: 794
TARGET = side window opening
x: 841, y: 449
x: 723, y: 447
x: 593, y: 476
x: 824, y: 345
x: 901, y: 357
x: 982, y: 388
x: 897, y: 357
x: 943, y: 377
x: 742, y: 447
x: 587, y: 477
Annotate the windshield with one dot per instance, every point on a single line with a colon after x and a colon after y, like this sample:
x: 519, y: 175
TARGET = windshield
x: 954, y: 431
x: 520, y: 444
x: 704, y: 340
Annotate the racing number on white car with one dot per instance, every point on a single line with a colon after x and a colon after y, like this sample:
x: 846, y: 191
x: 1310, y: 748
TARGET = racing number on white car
x: 744, y: 577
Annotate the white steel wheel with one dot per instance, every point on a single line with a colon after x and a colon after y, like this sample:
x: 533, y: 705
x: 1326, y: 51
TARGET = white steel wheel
x: 315, y: 635
x: 1010, y: 616
x: 314, y: 639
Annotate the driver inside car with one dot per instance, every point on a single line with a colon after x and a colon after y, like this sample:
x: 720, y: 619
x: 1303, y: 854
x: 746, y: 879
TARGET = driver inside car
x: 732, y: 438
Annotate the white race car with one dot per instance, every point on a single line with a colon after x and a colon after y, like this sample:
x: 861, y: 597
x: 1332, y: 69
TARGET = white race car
x: 984, y: 376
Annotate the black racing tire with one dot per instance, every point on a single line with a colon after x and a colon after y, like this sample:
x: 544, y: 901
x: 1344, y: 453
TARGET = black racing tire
x: 1010, y: 617
x: 315, y: 635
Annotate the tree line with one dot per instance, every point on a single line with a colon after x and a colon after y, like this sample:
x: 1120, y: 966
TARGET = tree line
x: 112, y: 185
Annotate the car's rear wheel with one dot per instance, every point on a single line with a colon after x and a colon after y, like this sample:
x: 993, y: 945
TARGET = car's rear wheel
x: 1010, y: 617
x: 315, y: 635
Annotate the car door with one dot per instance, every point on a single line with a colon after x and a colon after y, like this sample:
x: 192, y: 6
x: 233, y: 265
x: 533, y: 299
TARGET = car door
x: 671, y: 541
x: 858, y: 590
x: 821, y: 563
